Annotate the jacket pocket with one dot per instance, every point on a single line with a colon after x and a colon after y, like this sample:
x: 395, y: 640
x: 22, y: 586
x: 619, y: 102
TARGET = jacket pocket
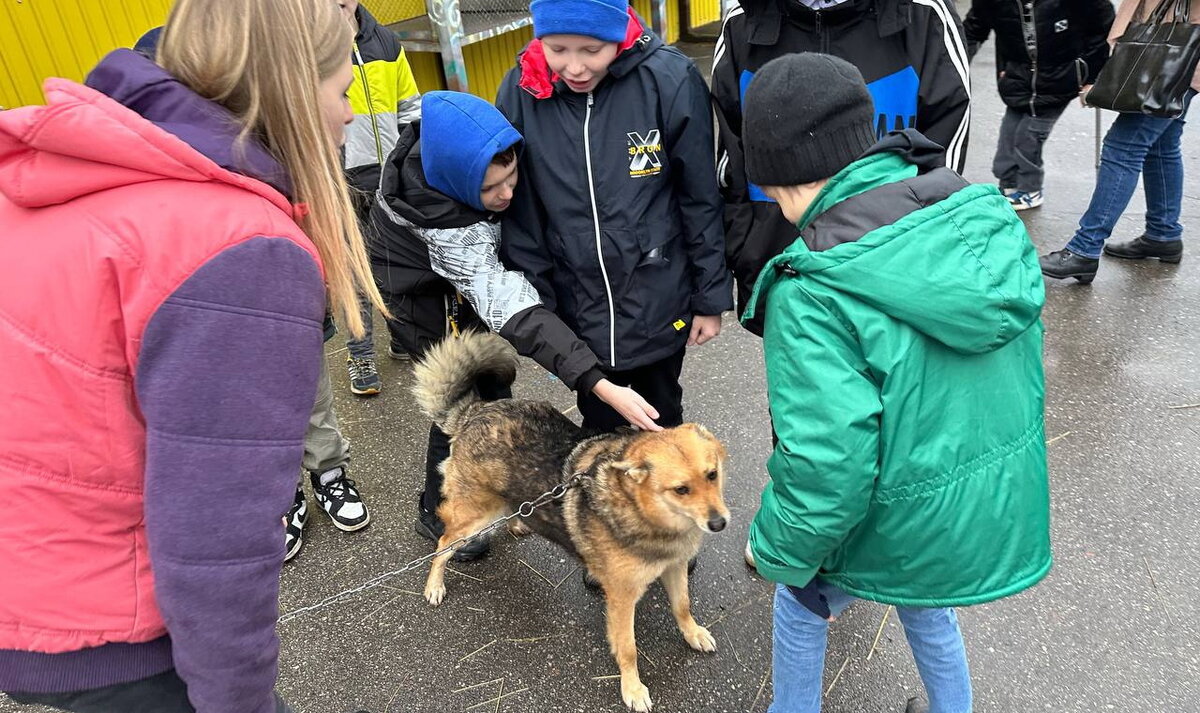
x: 661, y: 289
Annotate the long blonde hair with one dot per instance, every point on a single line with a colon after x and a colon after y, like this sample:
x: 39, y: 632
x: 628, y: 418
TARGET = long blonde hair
x: 264, y: 61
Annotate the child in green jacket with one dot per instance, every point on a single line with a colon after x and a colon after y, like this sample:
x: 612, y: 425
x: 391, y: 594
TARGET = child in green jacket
x: 903, y: 350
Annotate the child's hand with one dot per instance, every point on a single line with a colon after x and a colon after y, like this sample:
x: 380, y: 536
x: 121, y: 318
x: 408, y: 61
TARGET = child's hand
x: 704, y: 328
x: 629, y: 403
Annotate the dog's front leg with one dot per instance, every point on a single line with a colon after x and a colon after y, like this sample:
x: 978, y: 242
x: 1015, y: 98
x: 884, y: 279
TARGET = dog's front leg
x: 435, y: 583
x: 675, y: 581
x: 622, y: 598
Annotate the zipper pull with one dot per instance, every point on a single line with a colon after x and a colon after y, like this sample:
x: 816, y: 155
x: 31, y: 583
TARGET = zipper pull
x: 589, y: 100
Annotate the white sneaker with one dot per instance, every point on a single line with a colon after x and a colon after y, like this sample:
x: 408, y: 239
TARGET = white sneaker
x: 749, y: 556
x: 1020, y: 200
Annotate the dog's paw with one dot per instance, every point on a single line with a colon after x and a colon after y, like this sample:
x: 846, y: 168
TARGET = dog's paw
x: 701, y: 640
x: 518, y: 528
x: 637, y: 697
x: 435, y: 593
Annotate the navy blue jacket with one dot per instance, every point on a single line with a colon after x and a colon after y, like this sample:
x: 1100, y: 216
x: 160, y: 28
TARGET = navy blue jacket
x: 617, y: 216
x: 911, y: 54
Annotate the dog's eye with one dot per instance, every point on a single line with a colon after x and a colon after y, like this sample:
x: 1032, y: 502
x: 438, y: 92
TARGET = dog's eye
x: 712, y: 475
x: 683, y: 490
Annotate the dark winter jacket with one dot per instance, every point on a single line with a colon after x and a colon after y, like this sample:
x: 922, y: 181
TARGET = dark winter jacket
x: 1046, y: 50
x: 431, y: 243
x: 911, y: 54
x: 617, y: 216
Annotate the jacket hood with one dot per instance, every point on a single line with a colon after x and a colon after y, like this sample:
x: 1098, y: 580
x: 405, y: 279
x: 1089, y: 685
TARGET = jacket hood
x: 465, y: 133
x: 405, y: 192
x: 538, y: 80
x: 962, y: 271
x: 132, y: 123
x: 765, y: 17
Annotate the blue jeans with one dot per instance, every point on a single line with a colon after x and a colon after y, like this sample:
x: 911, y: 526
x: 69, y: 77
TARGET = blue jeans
x: 799, y: 653
x: 1136, y: 145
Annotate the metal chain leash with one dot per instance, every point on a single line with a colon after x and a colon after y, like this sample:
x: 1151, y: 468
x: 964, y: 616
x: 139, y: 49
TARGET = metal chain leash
x: 524, y: 510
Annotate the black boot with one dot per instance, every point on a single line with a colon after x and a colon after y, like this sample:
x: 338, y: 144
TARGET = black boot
x: 1062, y: 264
x: 916, y: 705
x: 1141, y: 247
x: 431, y: 528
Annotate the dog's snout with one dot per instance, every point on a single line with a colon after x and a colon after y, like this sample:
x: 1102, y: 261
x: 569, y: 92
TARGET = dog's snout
x: 716, y: 523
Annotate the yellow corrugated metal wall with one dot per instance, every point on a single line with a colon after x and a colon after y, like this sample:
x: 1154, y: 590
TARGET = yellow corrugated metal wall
x: 705, y: 12
x: 426, y: 66
x: 64, y: 38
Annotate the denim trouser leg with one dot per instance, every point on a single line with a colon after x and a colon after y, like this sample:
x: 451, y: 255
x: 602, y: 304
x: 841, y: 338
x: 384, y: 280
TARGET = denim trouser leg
x: 363, y: 348
x: 798, y: 653
x: 798, y: 656
x: 1128, y: 146
x: 1162, y: 180
x: 937, y: 647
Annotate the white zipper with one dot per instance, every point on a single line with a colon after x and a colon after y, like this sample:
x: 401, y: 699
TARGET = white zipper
x: 612, y: 312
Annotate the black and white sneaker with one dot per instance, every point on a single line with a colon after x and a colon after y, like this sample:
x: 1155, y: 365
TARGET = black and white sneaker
x: 293, y: 528
x: 364, y: 376
x: 397, y: 353
x: 340, y: 500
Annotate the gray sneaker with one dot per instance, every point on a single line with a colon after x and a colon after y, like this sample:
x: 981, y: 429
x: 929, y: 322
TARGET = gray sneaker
x: 364, y: 376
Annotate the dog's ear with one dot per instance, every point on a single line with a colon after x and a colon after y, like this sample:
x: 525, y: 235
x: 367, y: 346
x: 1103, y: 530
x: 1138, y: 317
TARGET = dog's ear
x: 628, y: 469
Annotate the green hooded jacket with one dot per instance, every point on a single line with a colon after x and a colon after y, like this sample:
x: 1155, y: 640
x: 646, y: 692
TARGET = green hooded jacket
x: 904, y: 370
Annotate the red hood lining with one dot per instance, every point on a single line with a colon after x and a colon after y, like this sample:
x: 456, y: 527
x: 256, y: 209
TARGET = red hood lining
x: 536, y: 77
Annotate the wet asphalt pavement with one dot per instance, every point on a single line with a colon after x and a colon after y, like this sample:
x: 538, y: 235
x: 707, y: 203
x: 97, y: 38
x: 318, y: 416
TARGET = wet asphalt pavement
x: 1114, y: 626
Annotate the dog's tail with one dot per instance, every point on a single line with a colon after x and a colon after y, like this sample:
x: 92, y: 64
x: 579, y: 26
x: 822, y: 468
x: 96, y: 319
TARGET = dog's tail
x: 451, y: 373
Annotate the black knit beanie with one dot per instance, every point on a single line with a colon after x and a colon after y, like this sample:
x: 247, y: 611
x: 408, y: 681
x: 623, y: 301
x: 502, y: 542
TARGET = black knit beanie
x: 806, y: 117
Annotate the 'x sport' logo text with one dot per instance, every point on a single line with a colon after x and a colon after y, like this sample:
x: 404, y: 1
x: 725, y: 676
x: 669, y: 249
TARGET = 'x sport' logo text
x: 644, y: 152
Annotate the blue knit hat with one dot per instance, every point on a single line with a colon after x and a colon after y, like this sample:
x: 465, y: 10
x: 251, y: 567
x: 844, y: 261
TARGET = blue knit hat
x: 603, y: 19
x: 460, y: 134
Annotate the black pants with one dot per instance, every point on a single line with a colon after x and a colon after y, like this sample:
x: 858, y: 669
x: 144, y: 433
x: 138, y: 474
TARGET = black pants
x: 164, y: 693
x: 421, y: 320
x: 658, y: 383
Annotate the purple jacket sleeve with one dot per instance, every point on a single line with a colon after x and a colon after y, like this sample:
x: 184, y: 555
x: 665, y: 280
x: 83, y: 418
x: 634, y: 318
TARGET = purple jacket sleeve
x: 226, y: 381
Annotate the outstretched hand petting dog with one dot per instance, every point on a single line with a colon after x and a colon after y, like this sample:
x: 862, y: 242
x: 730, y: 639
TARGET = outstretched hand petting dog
x: 629, y: 403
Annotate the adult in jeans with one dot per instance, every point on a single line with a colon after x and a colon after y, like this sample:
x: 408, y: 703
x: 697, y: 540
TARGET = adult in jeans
x: 1046, y: 53
x: 174, y: 230
x: 1135, y: 145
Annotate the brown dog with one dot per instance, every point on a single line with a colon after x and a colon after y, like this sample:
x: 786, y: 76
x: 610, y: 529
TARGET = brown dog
x: 637, y: 515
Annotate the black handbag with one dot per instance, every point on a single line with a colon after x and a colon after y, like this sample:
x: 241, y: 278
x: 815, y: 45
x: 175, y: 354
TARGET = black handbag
x: 1152, y: 64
